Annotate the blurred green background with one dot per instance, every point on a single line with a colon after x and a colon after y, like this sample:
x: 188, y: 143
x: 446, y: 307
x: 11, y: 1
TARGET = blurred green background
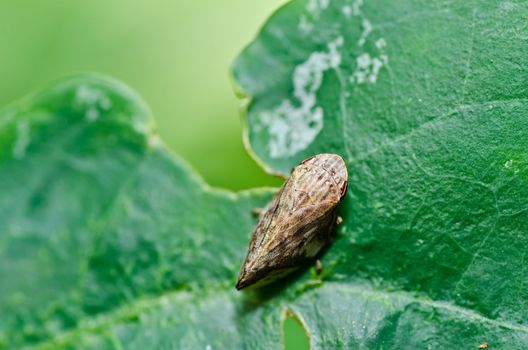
x: 176, y: 54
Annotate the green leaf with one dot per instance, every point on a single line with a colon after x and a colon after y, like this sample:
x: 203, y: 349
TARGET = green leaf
x: 105, y: 238
x: 109, y: 241
x: 427, y: 101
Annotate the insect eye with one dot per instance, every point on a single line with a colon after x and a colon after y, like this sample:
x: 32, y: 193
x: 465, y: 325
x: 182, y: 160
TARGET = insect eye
x: 344, y: 188
x: 307, y: 159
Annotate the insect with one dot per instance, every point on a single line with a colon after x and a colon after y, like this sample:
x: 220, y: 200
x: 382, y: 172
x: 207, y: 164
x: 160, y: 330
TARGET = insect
x: 483, y: 345
x: 297, y: 223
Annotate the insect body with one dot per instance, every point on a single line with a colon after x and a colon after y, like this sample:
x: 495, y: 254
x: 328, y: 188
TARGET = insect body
x: 297, y: 223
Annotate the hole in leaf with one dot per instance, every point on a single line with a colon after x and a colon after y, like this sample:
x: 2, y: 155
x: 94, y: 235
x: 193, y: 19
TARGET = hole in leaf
x: 295, y: 336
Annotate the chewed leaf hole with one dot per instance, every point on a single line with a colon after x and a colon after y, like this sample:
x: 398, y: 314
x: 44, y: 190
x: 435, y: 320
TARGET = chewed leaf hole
x: 295, y: 336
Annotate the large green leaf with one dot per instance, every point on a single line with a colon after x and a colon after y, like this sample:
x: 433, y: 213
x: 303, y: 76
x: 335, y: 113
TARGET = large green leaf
x: 105, y: 238
x: 107, y: 241
x: 428, y: 103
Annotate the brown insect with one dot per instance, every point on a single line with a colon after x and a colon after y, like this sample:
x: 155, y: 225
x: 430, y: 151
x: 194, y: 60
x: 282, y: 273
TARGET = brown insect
x: 484, y: 345
x: 297, y: 223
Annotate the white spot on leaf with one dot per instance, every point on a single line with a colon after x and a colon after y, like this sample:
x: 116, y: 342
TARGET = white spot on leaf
x: 92, y: 114
x: 380, y: 43
x: 22, y: 140
x: 368, y: 68
x: 315, y: 7
x: 92, y: 101
x: 356, y: 7
x: 292, y: 126
x: 367, y: 28
x: 368, y: 65
x: 347, y: 10
x: 304, y: 26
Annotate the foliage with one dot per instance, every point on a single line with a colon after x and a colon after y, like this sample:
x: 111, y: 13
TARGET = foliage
x: 109, y: 241
x: 426, y: 102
